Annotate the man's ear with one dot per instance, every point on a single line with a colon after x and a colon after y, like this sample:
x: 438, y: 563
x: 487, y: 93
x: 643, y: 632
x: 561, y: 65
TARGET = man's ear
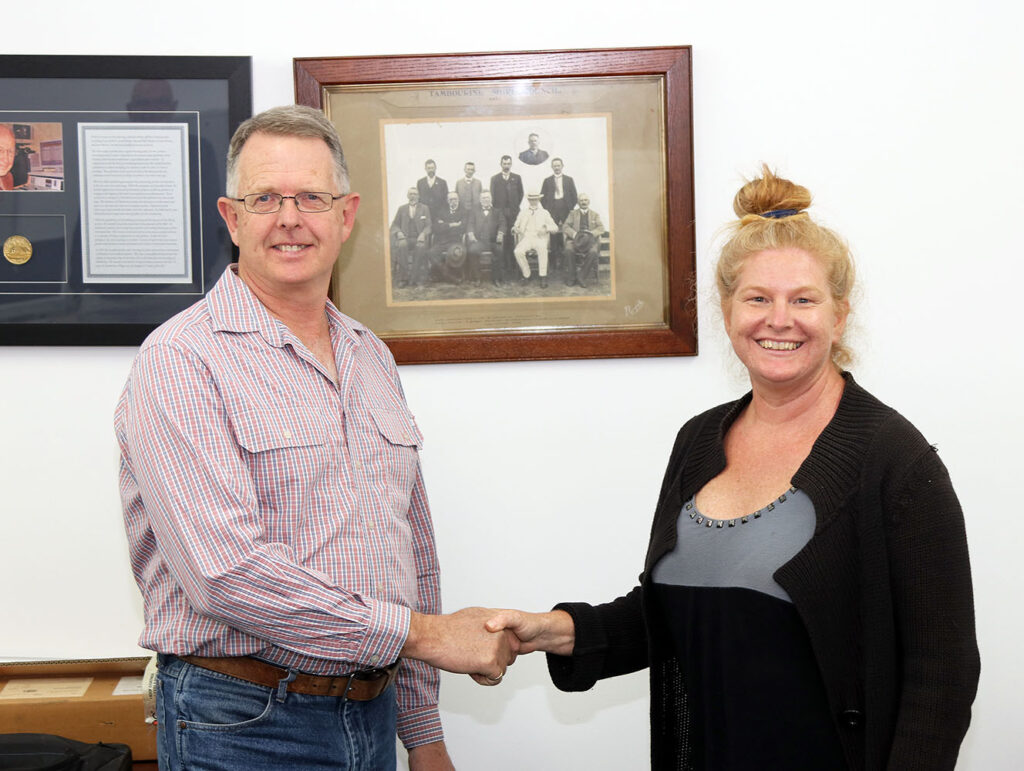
x: 348, y: 214
x: 229, y: 214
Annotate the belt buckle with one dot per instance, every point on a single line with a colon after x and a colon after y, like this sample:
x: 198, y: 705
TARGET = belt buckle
x: 370, y: 674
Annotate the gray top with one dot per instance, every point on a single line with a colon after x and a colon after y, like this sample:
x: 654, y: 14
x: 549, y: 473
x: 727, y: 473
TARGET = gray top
x: 742, y: 552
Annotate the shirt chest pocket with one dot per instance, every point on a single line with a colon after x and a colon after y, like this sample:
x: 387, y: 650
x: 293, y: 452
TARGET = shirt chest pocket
x: 389, y: 446
x: 286, y: 456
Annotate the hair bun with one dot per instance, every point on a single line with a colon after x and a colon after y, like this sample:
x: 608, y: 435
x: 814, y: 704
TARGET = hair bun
x: 769, y: 192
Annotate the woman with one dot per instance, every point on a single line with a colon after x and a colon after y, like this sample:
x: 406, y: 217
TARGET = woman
x: 806, y: 599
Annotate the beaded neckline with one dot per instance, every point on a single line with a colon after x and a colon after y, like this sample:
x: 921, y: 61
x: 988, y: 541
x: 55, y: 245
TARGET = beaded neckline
x: 690, y: 508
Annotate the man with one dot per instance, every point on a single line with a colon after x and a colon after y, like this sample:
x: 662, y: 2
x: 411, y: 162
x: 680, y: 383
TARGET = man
x: 276, y: 515
x: 469, y: 188
x: 558, y: 196
x: 432, y: 189
x: 533, y: 229
x: 582, y: 230
x: 533, y: 155
x: 507, y: 197
x: 486, y: 233
x: 410, y: 231
x: 448, y: 254
x: 8, y: 152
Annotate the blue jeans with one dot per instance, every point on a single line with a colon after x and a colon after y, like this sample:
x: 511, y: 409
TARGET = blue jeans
x: 207, y: 721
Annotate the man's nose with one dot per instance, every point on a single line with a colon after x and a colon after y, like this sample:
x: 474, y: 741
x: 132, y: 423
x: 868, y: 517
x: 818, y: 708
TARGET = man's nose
x: 288, y: 214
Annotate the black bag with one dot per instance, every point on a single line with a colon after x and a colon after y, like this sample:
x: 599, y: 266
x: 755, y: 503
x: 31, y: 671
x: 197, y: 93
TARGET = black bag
x: 45, y: 752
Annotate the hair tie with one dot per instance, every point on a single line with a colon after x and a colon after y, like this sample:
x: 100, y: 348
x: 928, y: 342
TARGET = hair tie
x: 777, y: 214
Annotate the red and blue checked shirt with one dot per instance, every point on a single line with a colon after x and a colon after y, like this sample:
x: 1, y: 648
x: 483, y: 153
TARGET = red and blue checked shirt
x: 271, y: 512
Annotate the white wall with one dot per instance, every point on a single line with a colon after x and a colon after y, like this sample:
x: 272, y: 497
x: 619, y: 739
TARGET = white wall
x: 903, y: 118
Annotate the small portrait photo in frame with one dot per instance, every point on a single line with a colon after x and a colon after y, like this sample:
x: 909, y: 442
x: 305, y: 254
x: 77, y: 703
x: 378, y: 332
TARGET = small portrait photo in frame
x: 31, y: 157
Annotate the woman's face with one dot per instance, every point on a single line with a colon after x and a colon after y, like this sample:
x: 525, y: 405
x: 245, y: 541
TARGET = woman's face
x: 782, y: 320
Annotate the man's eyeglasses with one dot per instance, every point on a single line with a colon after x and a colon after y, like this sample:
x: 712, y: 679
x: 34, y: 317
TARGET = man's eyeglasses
x: 268, y: 203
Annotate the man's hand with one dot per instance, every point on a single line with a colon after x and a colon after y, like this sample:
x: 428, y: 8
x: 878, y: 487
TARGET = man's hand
x: 553, y: 632
x: 458, y: 642
x: 430, y: 757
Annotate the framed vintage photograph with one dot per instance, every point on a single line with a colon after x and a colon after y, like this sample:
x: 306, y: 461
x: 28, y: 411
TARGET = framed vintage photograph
x: 516, y: 205
x: 110, y: 168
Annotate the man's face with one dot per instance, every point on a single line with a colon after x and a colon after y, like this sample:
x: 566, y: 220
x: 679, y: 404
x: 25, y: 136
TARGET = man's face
x: 288, y: 251
x: 534, y: 141
x: 7, y: 150
x: 431, y: 168
x: 556, y: 166
x: 506, y: 165
x: 485, y: 200
x: 453, y: 201
x: 413, y: 195
x: 584, y: 202
x: 470, y: 169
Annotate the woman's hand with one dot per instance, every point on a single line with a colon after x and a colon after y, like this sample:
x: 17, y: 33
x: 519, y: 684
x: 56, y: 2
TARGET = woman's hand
x: 552, y: 632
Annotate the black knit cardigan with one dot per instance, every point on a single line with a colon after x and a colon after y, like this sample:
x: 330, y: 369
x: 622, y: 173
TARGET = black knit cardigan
x: 883, y: 588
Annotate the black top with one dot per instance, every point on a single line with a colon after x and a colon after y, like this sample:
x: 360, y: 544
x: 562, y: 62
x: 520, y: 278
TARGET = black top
x: 883, y: 589
x: 745, y: 660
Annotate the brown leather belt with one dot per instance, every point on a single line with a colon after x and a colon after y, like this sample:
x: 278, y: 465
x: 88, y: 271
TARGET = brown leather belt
x: 364, y: 685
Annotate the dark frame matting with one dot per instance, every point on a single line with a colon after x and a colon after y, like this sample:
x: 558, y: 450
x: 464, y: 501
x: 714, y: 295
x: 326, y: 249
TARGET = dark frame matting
x: 315, y: 78
x: 86, y: 84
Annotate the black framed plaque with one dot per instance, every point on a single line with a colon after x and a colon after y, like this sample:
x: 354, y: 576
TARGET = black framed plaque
x: 110, y: 169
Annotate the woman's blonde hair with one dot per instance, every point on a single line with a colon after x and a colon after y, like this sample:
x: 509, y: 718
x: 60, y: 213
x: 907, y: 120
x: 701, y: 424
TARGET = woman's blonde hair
x: 772, y: 215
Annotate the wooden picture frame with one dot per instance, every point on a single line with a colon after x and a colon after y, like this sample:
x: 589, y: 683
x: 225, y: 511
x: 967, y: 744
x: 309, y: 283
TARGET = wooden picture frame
x: 620, y: 118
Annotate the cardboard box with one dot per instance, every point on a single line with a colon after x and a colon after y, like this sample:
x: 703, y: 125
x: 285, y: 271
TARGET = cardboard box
x: 79, y: 700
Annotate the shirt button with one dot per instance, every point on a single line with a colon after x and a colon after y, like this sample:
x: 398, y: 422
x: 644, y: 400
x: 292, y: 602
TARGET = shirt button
x: 374, y: 658
x: 287, y: 434
x: 379, y: 588
x: 369, y: 525
x: 852, y: 717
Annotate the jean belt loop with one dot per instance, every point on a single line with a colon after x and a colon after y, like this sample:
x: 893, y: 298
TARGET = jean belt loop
x: 282, y: 685
x: 348, y: 686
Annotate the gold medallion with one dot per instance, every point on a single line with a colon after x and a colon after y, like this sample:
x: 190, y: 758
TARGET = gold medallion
x: 17, y: 250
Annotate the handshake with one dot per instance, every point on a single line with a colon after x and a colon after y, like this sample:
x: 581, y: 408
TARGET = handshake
x: 483, y: 642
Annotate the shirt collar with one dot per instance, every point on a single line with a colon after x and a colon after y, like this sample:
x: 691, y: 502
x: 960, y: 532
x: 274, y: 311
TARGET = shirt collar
x: 234, y: 308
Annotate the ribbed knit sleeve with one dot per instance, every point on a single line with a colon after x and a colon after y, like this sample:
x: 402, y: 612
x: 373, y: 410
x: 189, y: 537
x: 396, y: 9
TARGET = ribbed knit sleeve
x: 611, y: 640
x: 934, y: 608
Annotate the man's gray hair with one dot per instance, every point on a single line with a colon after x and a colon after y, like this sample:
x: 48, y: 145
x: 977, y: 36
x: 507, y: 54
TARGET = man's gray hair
x: 291, y: 120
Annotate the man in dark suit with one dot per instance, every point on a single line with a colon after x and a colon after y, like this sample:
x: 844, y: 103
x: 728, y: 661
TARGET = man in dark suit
x: 558, y: 196
x: 410, y: 236
x: 507, y: 196
x: 448, y: 254
x: 486, y: 232
x: 533, y: 155
x: 433, y: 190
